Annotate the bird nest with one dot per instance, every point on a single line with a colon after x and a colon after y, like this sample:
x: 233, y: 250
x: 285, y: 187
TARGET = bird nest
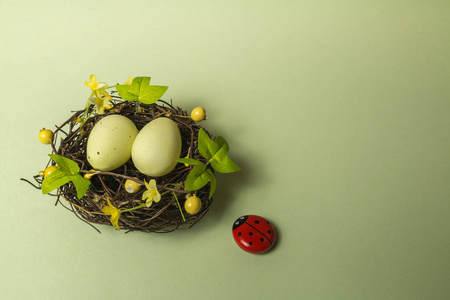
x: 70, y: 141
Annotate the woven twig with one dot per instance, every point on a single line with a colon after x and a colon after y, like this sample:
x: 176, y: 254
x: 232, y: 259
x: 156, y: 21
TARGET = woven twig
x: 164, y: 216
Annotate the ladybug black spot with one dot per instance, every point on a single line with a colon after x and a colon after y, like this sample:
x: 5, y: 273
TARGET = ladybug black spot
x: 250, y: 243
x: 269, y: 231
x: 256, y: 222
x: 261, y: 239
x: 250, y: 233
x: 240, y: 233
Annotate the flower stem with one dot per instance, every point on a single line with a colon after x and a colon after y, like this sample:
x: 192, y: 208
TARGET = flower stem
x: 176, y: 198
x: 133, y: 208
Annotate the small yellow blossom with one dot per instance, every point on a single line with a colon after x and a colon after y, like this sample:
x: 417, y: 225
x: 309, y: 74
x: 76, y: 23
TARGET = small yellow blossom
x: 99, y: 96
x: 101, y: 100
x: 114, y: 212
x: 129, y: 80
x: 151, y: 194
x: 94, y: 84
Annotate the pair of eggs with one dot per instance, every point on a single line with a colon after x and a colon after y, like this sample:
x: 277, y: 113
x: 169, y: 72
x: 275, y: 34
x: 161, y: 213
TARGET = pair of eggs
x: 115, y: 139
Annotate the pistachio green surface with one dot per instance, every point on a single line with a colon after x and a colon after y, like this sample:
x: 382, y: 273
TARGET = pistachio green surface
x: 338, y: 113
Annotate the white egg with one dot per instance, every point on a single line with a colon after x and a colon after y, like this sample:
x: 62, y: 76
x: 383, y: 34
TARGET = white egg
x: 156, y: 147
x: 110, y: 142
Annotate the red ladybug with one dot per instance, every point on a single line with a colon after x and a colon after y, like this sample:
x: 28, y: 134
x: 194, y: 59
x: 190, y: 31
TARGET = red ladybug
x: 253, y: 234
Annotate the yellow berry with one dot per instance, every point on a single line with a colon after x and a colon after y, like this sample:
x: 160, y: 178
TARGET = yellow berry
x: 41, y: 173
x: 132, y: 186
x: 198, y: 114
x: 45, y: 136
x: 193, y: 205
x: 49, y: 170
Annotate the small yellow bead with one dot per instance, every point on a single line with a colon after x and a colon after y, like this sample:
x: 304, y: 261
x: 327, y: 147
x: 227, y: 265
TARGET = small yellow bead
x: 78, y: 120
x: 49, y: 170
x: 41, y: 173
x: 89, y: 175
x: 45, y: 136
x: 198, y: 114
x: 193, y: 205
x: 132, y: 186
x: 187, y: 165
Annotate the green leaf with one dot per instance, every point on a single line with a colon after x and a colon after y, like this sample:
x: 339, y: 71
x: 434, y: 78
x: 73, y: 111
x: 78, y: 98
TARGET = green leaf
x: 65, y: 164
x: 196, y: 178
x: 206, y: 146
x: 67, y: 171
x: 130, y: 92
x: 222, y: 145
x: 151, y: 94
x: 212, y: 179
x: 199, y: 177
x: 189, y: 161
x: 224, y: 164
x: 141, y: 90
x: 81, y: 184
x: 216, y: 152
x: 56, y: 179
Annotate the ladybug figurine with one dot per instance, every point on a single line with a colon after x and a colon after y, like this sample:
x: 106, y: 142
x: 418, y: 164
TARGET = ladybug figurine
x: 253, y: 234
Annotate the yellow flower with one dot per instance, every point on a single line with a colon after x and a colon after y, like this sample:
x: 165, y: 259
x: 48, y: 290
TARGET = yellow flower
x: 114, y: 212
x: 99, y: 96
x: 129, y: 80
x: 101, y: 100
x: 151, y: 194
x: 94, y: 84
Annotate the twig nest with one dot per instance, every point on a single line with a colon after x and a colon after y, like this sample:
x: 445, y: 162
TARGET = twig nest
x: 129, y: 162
x: 163, y: 216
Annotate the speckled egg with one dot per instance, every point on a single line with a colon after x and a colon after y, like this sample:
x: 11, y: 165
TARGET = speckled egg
x: 110, y: 142
x: 156, y: 147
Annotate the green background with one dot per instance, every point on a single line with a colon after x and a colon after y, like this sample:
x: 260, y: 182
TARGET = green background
x: 337, y: 112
